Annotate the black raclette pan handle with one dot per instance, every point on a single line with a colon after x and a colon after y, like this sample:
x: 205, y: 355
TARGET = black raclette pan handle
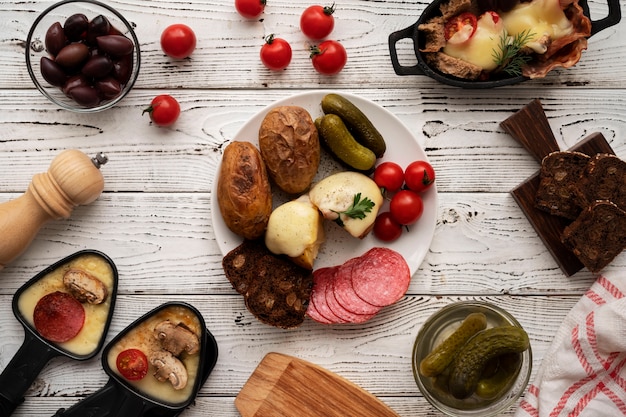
x: 109, y: 401
x: 20, y: 373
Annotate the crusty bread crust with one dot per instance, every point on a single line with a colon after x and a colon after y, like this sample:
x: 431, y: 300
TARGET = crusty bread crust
x: 433, y: 31
x: 275, y: 290
x: 598, y: 235
x: 604, y: 178
x: 559, y: 177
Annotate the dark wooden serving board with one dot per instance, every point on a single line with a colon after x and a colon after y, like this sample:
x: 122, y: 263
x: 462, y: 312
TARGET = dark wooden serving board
x: 285, y: 386
x: 530, y: 127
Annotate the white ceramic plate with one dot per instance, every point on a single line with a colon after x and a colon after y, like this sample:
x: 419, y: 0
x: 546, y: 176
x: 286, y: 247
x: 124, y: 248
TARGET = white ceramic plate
x: 402, y: 148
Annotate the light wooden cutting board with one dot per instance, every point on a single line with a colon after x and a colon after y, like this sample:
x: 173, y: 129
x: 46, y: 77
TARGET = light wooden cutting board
x: 286, y: 386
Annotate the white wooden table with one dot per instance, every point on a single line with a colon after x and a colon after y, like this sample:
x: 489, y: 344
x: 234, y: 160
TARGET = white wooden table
x: 153, y: 218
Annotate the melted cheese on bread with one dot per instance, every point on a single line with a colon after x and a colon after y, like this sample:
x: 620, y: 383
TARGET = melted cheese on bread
x: 540, y: 18
x: 479, y: 49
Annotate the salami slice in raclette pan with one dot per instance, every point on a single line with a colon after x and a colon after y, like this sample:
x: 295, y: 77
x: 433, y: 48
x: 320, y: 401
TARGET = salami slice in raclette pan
x: 148, y: 396
x: 65, y: 310
x: 422, y: 67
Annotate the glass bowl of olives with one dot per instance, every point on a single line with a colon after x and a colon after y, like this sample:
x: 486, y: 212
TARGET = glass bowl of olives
x: 82, y: 55
x: 472, y: 358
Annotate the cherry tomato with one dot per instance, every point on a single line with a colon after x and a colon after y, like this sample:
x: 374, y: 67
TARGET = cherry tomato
x: 178, y: 41
x: 460, y: 28
x: 164, y: 110
x: 250, y: 9
x: 389, y: 176
x: 406, y: 207
x: 419, y: 176
x: 275, y: 53
x: 316, y: 22
x: 329, y: 57
x: 132, y: 364
x: 386, y: 228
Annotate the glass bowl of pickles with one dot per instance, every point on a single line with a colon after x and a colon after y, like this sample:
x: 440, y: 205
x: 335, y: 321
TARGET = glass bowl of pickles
x: 83, y: 55
x: 472, y: 358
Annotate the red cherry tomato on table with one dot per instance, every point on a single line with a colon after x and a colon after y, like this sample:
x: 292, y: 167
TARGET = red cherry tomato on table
x: 275, y: 53
x: 250, y: 9
x: 389, y: 176
x: 386, y: 228
x: 178, y: 41
x: 329, y: 57
x: 406, y: 207
x: 316, y: 22
x: 419, y: 176
x: 132, y: 364
x: 460, y: 28
x: 164, y: 110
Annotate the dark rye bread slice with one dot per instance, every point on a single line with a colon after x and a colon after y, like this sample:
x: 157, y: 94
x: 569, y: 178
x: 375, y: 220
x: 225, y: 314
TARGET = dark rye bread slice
x: 275, y: 290
x: 559, y: 177
x: 598, y: 235
x: 604, y: 178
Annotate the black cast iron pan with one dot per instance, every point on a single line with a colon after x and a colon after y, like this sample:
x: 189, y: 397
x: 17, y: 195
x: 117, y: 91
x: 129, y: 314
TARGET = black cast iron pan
x: 121, y: 397
x: 422, y: 68
x: 40, y: 346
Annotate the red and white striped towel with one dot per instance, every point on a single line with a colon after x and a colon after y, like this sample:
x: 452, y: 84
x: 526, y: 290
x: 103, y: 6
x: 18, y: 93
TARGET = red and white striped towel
x: 583, y: 373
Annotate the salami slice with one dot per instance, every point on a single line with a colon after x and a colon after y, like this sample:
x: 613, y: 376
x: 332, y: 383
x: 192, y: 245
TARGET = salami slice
x: 312, y: 312
x: 340, y: 311
x: 322, y: 278
x: 58, y: 317
x: 382, y: 277
x: 345, y: 294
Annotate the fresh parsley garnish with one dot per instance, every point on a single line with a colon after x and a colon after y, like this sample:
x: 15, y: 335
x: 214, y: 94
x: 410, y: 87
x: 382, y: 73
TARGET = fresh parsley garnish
x: 358, y: 209
x: 509, y: 57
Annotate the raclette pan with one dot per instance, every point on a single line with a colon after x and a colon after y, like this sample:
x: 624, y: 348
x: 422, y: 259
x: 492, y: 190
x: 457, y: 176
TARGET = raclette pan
x: 148, y: 397
x: 41, y: 306
x: 421, y: 67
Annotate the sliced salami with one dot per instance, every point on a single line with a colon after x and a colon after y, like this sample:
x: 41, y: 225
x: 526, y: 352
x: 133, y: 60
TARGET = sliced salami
x: 322, y: 279
x: 312, y: 312
x: 340, y: 311
x: 58, y: 317
x: 382, y: 277
x: 345, y: 294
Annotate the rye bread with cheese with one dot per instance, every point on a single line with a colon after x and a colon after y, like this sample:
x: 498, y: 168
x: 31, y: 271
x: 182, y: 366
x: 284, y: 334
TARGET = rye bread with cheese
x: 453, y: 66
x: 598, y: 235
x: 558, y: 183
x: 275, y: 290
x: 604, y: 178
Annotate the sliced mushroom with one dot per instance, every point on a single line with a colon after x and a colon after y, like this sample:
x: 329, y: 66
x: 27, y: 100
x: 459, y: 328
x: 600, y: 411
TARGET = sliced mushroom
x: 85, y: 287
x: 176, y: 338
x: 169, y: 367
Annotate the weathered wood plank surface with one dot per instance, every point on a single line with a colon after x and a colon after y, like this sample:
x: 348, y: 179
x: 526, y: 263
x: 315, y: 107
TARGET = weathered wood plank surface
x: 154, y: 217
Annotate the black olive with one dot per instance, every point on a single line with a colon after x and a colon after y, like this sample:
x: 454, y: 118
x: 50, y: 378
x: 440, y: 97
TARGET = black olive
x: 55, y: 38
x: 75, y: 26
x: 73, y: 55
x: 116, y: 45
x: 73, y: 82
x: 97, y: 66
x: 98, y: 26
x: 52, y: 72
x: 85, y: 95
x: 108, y: 87
x: 122, y: 69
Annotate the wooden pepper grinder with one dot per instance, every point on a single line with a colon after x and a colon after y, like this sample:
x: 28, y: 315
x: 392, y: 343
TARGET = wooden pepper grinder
x: 73, y: 179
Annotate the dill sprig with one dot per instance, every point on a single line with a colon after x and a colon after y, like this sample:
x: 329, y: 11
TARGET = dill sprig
x: 509, y: 57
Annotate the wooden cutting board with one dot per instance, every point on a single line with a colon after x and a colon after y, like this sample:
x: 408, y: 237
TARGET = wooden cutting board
x: 285, y: 386
x: 530, y: 127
